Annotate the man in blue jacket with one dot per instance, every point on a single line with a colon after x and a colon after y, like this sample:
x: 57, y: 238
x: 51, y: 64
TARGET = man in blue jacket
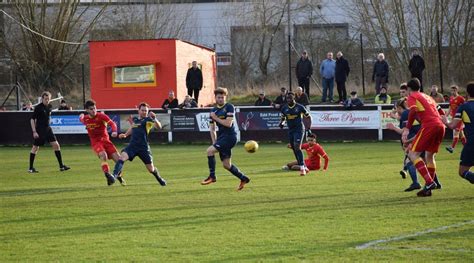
x: 328, y: 71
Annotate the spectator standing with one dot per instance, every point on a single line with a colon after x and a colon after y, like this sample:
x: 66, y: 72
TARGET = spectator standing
x: 438, y: 97
x: 188, y: 103
x: 380, y: 73
x: 342, y: 72
x: 304, y: 70
x: 383, y: 97
x: 171, y: 102
x: 262, y: 100
x: 63, y: 106
x: 194, y: 81
x: 281, y: 99
x: 328, y: 72
x: 416, y: 67
x: 301, y: 97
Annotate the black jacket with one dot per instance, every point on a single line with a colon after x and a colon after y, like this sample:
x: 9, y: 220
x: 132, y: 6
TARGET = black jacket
x: 304, y: 68
x: 264, y: 102
x: 280, y: 100
x: 194, y: 79
x: 167, y: 104
x: 380, y: 69
x: 342, y: 69
x: 303, y: 99
x: 416, y: 66
x: 186, y: 105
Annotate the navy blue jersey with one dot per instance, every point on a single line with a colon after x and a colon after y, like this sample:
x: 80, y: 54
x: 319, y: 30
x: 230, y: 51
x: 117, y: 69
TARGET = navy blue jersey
x: 293, y: 116
x: 140, y: 130
x: 223, y: 112
x: 465, y: 113
x: 403, y: 122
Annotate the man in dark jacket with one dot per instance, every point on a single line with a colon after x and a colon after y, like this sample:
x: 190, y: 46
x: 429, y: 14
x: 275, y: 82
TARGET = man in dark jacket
x: 171, y: 102
x: 380, y: 73
x: 194, y: 81
x: 416, y: 67
x: 280, y: 100
x: 301, y: 97
x: 304, y: 70
x: 262, y: 100
x: 342, y: 72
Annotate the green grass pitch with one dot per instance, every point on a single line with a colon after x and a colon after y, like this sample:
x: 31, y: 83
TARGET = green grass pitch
x: 279, y: 216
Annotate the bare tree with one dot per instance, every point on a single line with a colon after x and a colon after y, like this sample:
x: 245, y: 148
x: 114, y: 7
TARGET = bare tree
x: 147, y: 20
x: 398, y: 26
x: 258, y: 39
x: 43, y: 63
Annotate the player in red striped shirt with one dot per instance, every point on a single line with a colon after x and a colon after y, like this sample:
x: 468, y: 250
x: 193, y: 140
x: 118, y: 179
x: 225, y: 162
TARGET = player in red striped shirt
x: 96, y: 124
x: 455, y: 101
x: 315, y: 152
x: 429, y: 137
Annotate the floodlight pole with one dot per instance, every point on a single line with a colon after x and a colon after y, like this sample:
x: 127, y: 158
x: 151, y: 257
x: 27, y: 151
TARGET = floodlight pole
x: 440, y: 60
x: 289, y: 45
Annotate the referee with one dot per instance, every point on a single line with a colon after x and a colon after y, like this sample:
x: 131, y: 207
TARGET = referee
x: 42, y: 132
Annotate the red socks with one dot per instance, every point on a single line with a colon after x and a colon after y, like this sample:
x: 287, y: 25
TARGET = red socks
x: 432, y: 171
x: 105, y: 167
x: 423, y: 170
x: 455, y: 141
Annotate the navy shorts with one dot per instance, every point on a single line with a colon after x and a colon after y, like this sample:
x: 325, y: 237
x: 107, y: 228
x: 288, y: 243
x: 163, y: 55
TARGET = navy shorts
x: 143, y: 154
x: 224, y: 145
x: 295, y: 138
x: 44, y: 136
x: 467, y: 155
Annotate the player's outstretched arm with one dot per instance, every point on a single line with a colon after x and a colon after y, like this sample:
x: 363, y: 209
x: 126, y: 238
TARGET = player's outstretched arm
x: 394, y: 128
x: 453, y: 124
x: 126, y: 134
x: 212, y: 130
x: 326, y: 162
x: 307, y: 120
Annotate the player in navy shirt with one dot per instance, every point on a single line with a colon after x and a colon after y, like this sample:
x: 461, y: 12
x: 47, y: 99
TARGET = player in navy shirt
x: 295, y: 115
x: 465, y: 113
x: 138, y: 146
x: 222, y: 116
x: 402, y: 111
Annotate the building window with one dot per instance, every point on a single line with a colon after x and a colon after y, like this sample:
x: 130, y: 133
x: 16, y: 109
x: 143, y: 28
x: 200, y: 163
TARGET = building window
x: 224, y: 59
x: 134, y: 76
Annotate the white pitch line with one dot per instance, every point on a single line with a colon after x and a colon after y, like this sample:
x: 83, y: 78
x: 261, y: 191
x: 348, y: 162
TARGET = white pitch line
x: 417, y: 234
x: 424, y: 249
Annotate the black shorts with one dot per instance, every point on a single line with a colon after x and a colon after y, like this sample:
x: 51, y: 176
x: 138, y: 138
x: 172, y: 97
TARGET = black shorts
x: 44, y: 135
x: 224, y: 145
x: 467, y: 155
x: 143, y: 154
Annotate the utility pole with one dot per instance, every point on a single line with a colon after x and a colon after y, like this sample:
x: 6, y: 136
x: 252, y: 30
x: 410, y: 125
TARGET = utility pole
x: 362, y: 64
x: 83, y: 84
